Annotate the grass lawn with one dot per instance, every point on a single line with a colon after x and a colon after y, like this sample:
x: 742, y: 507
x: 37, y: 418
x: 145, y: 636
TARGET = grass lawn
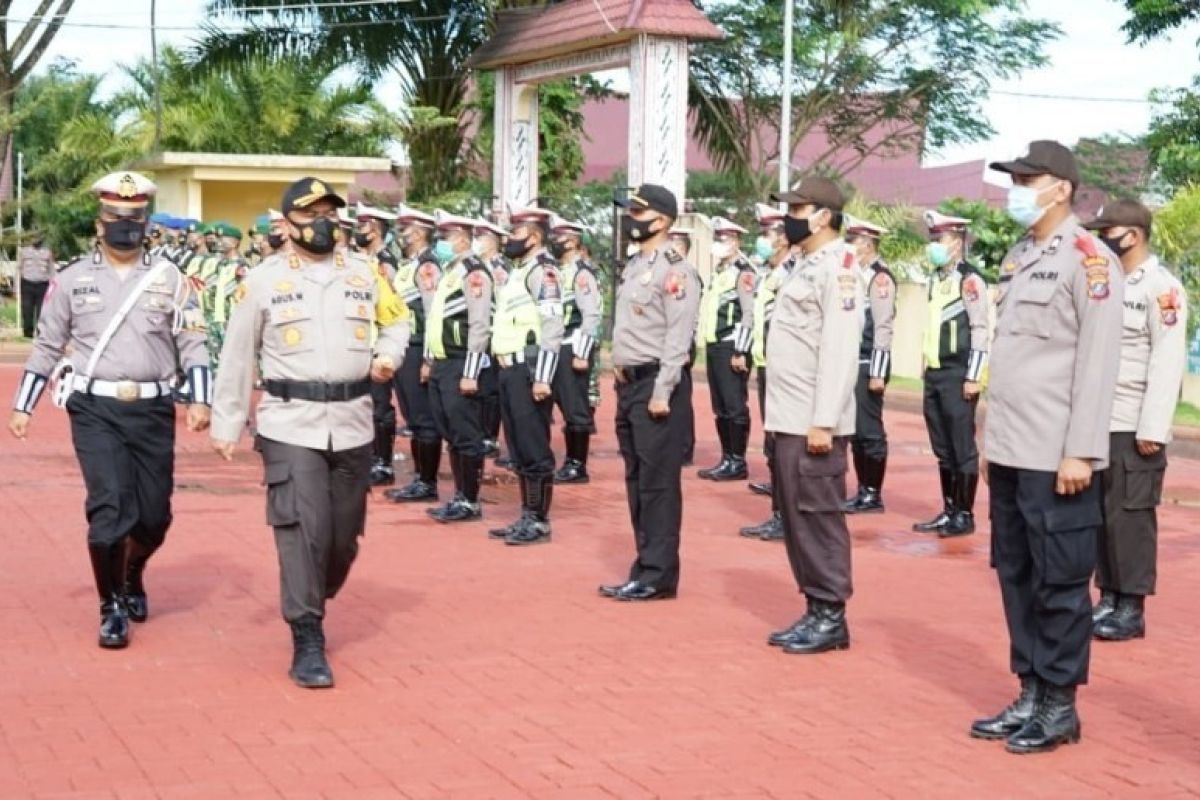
x: 1187, y: 414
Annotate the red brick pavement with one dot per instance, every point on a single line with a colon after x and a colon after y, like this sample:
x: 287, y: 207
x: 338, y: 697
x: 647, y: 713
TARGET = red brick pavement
x: 470, y: 670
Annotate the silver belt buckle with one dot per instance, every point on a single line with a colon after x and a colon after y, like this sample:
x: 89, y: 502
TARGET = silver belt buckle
x: 128, y: 391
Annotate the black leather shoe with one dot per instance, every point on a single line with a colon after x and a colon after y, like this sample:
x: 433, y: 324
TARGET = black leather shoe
x: 442, y: 509
x: 732, y: 470
x: 826, y: 630
x: 723, y: 464
x: 774, y: 530
x: 762, y: 488
x: 572, y: 471
x: 613, y: 589
x: 949, y: 490
x: 1107, y: 604
x: 460, y: 511
x: 1054, y: 722
x: 852, y: 502
x: 309, y: 669
x: 491, y: 448
x: 532, y: 532
x: 1127, y: 620
x: 503, y: 533
x: 137, y: 606
x: 133, y: 592
x: 763, y: 529
x: 636, y: 592
x: 869, y: 502
x: 935, y: 525
x: 416, y: 492
x: 114, y: 624
x: 961, y: 523
x: 1014, y: 716
x: 382, y: 475
x: 788, y: 635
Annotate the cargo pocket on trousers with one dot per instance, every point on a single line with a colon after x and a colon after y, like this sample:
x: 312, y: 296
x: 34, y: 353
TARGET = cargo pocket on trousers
x: 1069, y: 554
x: 1143, y: 480
x: 281, y: 495
x: 822, y: 482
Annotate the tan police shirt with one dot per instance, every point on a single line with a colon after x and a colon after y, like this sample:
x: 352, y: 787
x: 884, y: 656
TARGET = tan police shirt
x: 84, y: 297
x: 1055, y: 357
x: 1153, y: 353
x: 812, y: 346
x: 37, y: 264
x: 658, y: 306
x: 881, y: 300
x: 309, y: 322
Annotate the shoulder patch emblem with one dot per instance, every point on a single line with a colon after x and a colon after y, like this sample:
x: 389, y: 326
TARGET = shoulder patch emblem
x: 1168, y: 307
x: 427, y: 274
x: 971, y: 288
x: 848, y: 260
x: 582, y: 286
x: 476, y: 281
x: 746, y: 282
x: 676, y: 283
x: 1095, y: 265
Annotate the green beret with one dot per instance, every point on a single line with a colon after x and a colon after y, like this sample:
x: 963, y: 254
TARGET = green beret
x: 225, y: 229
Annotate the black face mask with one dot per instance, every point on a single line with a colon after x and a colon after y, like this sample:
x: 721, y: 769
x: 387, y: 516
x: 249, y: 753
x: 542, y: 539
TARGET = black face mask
x: 796, y: 230
x: 275, y: 240
x: 211, y: 244
x: 124, y: 234
x: 362, y: 239
x: 558, y: 249
x: 637, y: 230
x: 319, y: 236
x: 516, y: 248
x: 1114, y: 244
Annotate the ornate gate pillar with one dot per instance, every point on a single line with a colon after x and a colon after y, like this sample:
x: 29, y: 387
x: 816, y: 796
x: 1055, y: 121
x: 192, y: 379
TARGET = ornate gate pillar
x: 515, y: 151
x: 658, y: 114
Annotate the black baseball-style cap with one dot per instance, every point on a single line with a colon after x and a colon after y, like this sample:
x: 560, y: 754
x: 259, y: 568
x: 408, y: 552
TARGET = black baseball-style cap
x: 815, y: 190
x: 1045, y: 157
x: 1121, y: 214
x: 654, y: 197
x: 307, y: 191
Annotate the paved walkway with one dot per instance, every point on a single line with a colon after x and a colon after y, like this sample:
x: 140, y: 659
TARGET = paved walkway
x: 470, y: 670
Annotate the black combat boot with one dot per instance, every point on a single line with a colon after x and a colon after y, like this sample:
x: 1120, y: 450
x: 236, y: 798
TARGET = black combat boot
x: 108, y: 568
x: 766, y: 530
x: 826, y: 630
x: 962, y: 521
x: 938, y: 523
x: 574, y: 468
x: 1014, y: 715
x: 456, y: 471
x: 735, y: 468
x: 502, y: 533
x: 1054, y: 722
x: 1127, y: 620
x: 785, y: 636
x: 427, y: 457
x: 309, y: 669
x: 382, y: 471
x: 1107, y: 604
x: 723, y: 464
x: 133, y: 592
x: 466, y: 507
x: 860, y: 474
x: 763, y: 488
x: 538, y: 494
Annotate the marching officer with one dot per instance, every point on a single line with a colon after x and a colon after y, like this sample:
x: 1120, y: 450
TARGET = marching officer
x: 129, y: 320
x: 956, y: 345
x: 811, y: 353
x: 654, y: 326
x: 370, y: 238
x: 726, y: 330
x: 417, y: 276
x: 308, y: 315
x: 874, y: 366
x: 458, y: 328
x: 778, y: 261
x: 489, y: 239
x: 582, y: 310
x: 1153, y: 358
x: 527, y: 333
x: 36, y: 263
x: 1053, y: 373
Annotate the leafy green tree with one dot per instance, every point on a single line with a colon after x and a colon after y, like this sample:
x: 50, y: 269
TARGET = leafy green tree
x: 1174, y: 137
x: 1118, y: 165
x: 1176, y: 239
x: 993, y: 233
x: 1152, y: 18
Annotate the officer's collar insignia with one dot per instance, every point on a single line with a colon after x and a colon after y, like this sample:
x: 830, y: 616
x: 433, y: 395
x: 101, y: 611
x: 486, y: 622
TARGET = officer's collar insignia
x: 1054, y: 243
x: 1136, y: 277
x: 293, y: 261
x: 283, y: 287
x: 673, y: 255
x: 357, y: 281
x: 645, y: 279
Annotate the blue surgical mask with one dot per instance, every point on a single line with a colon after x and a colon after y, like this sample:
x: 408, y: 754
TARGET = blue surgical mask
x: 938, y: 254
x: 763, y: 248
x: 443, y: 251
x: 1023, y: 205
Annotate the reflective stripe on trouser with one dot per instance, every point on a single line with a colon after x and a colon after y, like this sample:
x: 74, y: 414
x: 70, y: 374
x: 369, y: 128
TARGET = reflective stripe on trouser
x: 317, y: 504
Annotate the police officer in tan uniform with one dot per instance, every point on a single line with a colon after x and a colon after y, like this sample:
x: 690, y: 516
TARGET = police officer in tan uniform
x: 1053, y: 371
x: 122, y: 412
x: 458, y: 329
x: 874, y: 366
x: 36, y: 264
x: 680, y: 239
x: 488, y: 241
x: 812, y: 356
x: 1153, y: 357
x: 726, y: 331
x: 307, y: 315
x: 527, y: 333
x: 653, y: 328
x: 582, y: 311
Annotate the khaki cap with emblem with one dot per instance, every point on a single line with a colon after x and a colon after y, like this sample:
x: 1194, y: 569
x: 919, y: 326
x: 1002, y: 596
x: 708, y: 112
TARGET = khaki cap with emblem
x: 1045, y: 157
x: 1122, y: 214
x: 815, y: 190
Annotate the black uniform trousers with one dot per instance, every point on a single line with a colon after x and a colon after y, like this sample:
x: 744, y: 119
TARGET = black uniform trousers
x: 768, y: 437
x: 33, y: 294
x: 383, y: 412
x: 126, y: 452
x: 571, y: 391
x: 687, y: 412
x: 811, y: 490
x: 458, y: 416
x: 728, y: 391
x: 870, y: 439
x: 653, y: 470
x: 414, y: 397
x: 489, y: 395
x: 1044, y: 551
x: 526, y: 422
x: 950, y: 420
x: 1128, y: 552
x: 317, y: 504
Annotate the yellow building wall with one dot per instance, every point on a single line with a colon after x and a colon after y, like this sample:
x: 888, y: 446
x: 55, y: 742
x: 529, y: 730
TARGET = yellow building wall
x: 237, y: 202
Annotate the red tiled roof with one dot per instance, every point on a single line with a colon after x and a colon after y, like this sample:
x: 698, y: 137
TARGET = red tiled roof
x: 530, y: 34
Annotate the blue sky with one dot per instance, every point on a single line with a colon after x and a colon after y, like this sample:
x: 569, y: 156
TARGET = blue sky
x: 1091, y: 60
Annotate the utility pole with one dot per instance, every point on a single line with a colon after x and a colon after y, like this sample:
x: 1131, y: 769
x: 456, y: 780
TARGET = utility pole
x: 785, y: 112
x: 157, y: 91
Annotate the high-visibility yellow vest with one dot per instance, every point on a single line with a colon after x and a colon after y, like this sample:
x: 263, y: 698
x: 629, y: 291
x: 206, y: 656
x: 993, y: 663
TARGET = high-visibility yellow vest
x: 517, y: 322
x: 948, y: 330
x: 764, y: 305
x: 445, y: 321
x: 720, y: 310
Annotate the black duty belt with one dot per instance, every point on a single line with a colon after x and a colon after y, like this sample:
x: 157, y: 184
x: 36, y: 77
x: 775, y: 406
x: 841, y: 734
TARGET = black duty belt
x: 318, y: 392
x: 640, y: 372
